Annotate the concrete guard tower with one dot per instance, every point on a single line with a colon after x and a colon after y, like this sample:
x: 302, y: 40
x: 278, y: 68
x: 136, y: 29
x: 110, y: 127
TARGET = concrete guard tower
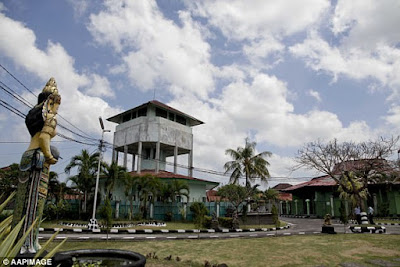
x: 152, y: 132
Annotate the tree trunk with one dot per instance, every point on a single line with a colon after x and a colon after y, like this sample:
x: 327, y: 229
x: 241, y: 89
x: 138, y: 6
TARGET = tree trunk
x: 84, y: 201
x: 131, y: 207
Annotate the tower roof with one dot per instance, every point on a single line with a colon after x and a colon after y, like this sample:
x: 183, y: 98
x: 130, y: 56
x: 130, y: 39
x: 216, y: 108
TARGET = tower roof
x: 192, y: 121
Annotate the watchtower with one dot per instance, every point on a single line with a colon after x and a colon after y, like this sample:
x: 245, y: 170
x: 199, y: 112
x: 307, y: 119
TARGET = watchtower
x: 152, y: 132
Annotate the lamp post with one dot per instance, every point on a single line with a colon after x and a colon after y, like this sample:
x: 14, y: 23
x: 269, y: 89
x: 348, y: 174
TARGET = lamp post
x: 93, y: 222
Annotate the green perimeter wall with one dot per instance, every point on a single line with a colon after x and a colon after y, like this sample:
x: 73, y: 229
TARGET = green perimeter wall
x: 387, y: 202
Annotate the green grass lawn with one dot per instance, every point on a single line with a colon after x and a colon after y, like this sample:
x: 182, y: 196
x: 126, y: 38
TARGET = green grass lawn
x: 312, y: 250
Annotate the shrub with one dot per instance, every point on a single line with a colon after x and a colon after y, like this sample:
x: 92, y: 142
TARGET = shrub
x: 168, y: 216
x: 199, y: 210
x: 225, y: 222
x: 207, y: 221
x: 106, y: 213
x: 275, y: 217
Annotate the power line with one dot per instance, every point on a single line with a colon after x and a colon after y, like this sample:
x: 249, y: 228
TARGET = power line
x: 15, y: 78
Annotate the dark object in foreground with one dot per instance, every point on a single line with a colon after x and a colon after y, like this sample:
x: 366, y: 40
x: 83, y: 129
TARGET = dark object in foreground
x: 107, y: 257
x: 328, y: 229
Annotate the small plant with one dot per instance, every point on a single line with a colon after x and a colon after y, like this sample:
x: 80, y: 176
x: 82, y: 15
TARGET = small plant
x: 106, y: 215
x: 199, y: 211
x: 275, y: 217
x: 9, y: 246
x: 225, y: 222
x: 168, y: 216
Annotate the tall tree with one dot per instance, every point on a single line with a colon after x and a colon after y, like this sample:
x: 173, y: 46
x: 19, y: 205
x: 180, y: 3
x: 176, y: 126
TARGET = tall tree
x: 177, y: 188
x: 113, y: 173
x: 352, y: 165
x: 237, y: 195
x: 53, y: 186
x: 271, y: 195
x: 87, y: 167
x: 170, y: 191
x: 130, y: 191
x: 146, y: 186
x: 9, y: 177
x: 247, y: 164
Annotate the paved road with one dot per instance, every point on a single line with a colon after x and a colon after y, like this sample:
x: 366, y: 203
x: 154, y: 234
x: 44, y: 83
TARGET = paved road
x: 297, y: 227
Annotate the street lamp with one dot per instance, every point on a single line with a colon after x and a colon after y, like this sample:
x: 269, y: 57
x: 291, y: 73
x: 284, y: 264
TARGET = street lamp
x: 93, y: 222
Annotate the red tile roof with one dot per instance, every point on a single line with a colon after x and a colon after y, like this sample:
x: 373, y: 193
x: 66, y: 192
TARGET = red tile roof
x: 285, y: 196
x: 281, y: 186
x: 212, y: 196
x: 318, y: 181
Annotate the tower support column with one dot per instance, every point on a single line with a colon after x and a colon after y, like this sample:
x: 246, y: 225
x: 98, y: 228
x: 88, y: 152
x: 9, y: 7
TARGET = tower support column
x: 139, y: 161
x: 158, y: 157
x: 190, y: 163
x: 125, y: 156
x: 176, y: 159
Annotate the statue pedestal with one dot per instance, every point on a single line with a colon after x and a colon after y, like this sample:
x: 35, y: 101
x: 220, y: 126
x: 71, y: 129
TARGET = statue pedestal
x: 328, y: 229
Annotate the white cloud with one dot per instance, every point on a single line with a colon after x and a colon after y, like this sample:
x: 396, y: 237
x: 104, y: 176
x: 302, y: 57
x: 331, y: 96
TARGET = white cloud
x: 80, y: 7
x: 100, y: 86
x: 251, y: 20
x: 315, y: 95
x: 368, y: 44
x: 259, y: 105
x: 394, y: 116
x: 352, y: 62
x: 156, y: 51
x: 261, y: 24
x: 80, y: 109
x: 367, y: 23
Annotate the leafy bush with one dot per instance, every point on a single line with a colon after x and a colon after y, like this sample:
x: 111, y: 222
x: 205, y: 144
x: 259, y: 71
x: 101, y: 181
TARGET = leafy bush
x: 383, y: 209
x: 275, y: 217
x: 106, y: 213
x: 5, y: 214
x: 207, y: 221
x: 168, y: 216
x: 225, y: 222
x: 199, y: 210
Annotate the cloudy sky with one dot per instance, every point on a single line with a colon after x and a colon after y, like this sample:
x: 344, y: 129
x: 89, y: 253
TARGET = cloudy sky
x: 282, y: 73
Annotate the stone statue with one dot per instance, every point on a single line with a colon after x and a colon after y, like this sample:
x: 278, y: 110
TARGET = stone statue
x: 32, y: 192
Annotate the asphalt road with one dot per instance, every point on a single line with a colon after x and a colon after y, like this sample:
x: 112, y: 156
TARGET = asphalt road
x: 297, y: 227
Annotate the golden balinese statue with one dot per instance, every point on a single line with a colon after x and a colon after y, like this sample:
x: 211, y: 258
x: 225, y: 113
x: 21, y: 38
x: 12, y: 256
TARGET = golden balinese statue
x: 41, y: 122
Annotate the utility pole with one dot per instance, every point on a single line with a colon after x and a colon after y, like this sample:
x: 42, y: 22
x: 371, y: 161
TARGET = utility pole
x: 93, y: 222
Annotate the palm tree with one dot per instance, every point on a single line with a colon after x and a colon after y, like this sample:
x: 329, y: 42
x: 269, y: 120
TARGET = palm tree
x: 246, y: 163
x: 171, y: 191
x: 87, y: 168
x: 54, y: 186
x: 113, y: 173
x: 129, y: 184
x: 177, y: 188
x: 146, y: 186
x: 271, y: 195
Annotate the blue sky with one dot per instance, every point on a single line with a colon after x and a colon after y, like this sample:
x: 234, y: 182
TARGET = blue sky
x: 281, y: 72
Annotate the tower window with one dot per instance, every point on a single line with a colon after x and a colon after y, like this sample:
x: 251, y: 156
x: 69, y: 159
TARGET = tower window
x: 171, y: 116
x: 126, y: 117
x: 161, y: 113
x: 180, y: 119
x: 142, y: 112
